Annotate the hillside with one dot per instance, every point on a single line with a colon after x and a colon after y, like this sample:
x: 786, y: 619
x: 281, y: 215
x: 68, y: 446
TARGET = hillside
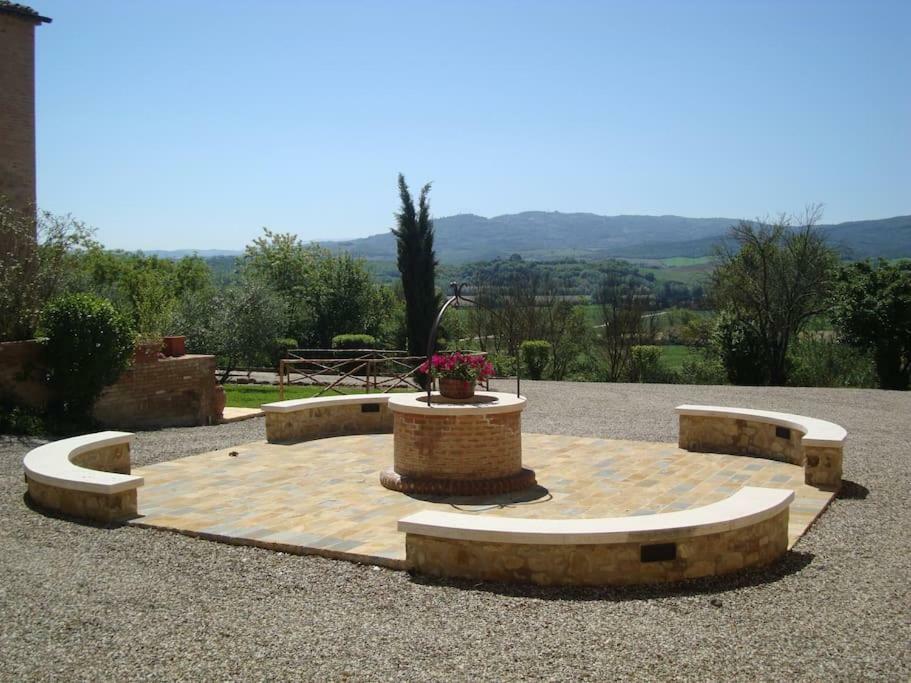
x: 549, y: 235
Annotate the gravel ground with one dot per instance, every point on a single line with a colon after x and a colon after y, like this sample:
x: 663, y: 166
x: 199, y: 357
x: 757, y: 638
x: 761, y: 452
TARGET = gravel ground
x: 79, y: 602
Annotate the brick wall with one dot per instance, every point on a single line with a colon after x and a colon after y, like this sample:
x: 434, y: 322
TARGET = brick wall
x: 17, y: 109
x: 169, y: 392
x: 22, y: 372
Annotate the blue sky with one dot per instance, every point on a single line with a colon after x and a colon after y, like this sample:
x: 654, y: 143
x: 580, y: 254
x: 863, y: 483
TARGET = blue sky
x: 175, y: 125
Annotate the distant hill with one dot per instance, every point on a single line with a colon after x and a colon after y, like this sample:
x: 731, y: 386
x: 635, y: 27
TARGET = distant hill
x: 543, y: 235
x: 202, y: 253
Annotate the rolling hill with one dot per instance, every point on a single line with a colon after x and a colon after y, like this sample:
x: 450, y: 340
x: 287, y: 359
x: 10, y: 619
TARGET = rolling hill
x: 549, y: 235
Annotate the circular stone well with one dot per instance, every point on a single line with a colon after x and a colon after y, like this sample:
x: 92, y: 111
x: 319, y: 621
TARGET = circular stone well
x: 457, y: 447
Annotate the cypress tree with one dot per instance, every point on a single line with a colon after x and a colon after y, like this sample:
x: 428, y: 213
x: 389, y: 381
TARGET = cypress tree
x: 417, y: 265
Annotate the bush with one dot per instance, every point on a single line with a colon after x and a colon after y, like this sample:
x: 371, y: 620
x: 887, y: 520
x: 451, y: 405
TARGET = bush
x: 353, y: 341
x: 827, y: 363
x: 88, y: 345
x: 705, y: 369
x: 535, y: 354
x: 20, y: 420
x: 280, y: 348
x: 742, y: 353
x: 645, y: 365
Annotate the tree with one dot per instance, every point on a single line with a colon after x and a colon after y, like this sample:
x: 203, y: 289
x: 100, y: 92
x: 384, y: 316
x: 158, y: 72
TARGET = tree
x: 417, y: 265
x: 871, y: 308
x: 32, y: 276
x: 622, y: 306
x: 774, y: 282
x: 325, y: 294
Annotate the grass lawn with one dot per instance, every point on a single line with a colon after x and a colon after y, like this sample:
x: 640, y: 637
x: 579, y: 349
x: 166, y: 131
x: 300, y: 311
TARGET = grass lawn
x: 254, y: 395
x: 673, y: 355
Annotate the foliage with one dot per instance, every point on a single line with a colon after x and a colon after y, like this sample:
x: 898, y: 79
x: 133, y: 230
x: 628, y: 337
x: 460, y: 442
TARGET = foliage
x: 324, y: 294
x: 622, y: 305
x: 821, y: 362
x: 645, y: 364
x: 417, y: 263
x: 88, y: 345
x: 353, y: 341
x: 774, y: 284
x: 280, y: 348
x: 742, y: 351
x: 239, y: 325
x: 19, y: 419
x: 470, y: 368
x: 704, y: 368
x: 535, y: 355
x: 872, y: 310
x: 37, y: 261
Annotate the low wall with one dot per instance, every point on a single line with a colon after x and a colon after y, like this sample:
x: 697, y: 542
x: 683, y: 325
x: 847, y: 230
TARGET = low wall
x: 65, y: 476
x: 166, y: 392
x: 746, y: 435
x: 598, y: 565
x: 336, y: 416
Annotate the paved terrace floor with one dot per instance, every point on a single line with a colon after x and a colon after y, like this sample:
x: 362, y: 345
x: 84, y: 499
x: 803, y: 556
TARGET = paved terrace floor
x: 324, y: 497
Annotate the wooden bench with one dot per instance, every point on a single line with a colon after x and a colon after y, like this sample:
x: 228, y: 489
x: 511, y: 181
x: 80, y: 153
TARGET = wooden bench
x: 750, y: 528
x: 815, y: 444
x: 314, y: 418
x: 85, y: 476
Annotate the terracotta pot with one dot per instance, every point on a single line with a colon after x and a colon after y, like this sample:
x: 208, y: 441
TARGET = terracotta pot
x: 220, y: 400
x: 175, y: 346
x: 456, y: 388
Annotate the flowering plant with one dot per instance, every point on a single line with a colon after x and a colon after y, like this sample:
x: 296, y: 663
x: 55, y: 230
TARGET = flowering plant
x: 458, y: 365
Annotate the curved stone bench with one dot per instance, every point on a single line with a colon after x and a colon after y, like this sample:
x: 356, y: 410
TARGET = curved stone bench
x: 304, y: 419
x: 85, y: 476
x: 748, y: 529
x: 815, y: 444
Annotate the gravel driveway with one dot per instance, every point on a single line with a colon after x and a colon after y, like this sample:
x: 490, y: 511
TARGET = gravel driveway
x: 79, y: 602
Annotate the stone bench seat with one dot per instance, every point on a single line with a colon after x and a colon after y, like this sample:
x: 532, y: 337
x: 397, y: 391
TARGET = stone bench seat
x: 749, y: 528
x: 815, y: 444
x: 303, y: 419
x: 85, y: 476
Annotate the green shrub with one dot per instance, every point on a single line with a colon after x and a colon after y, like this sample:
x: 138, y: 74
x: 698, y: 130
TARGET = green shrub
x: 535, y: 354
x: 645, y: 364
x: 353, y: 341
x: 742, y: 353
x: 280, y: 348
x: 88, y: 345
x: 828, y: 363
x: 703, y: 369
x: 20, y: 420
x: 504, y: 365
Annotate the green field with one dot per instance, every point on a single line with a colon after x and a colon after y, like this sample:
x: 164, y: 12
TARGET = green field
x: 673, y: 355
x: 254, y: 395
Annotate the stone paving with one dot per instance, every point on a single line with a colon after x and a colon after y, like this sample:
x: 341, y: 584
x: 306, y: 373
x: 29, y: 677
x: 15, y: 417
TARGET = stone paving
x: 324, y: 496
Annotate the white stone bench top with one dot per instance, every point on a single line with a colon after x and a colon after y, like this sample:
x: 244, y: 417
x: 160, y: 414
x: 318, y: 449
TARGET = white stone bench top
x: 815, y: 432
x: 52, y: 464
x: 746, y: 507
x: 296, y: 404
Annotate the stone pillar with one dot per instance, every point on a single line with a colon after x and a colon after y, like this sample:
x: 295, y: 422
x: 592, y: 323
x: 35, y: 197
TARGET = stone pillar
x: 17, y: 111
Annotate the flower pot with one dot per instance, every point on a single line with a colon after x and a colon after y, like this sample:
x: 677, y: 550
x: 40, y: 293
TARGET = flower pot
x: 175, y: 346
x: 146, y: 352
x: 220, y: 400
x: 456, y: 388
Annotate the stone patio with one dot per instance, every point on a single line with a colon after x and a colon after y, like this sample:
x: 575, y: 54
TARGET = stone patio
x: 324, y: 496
